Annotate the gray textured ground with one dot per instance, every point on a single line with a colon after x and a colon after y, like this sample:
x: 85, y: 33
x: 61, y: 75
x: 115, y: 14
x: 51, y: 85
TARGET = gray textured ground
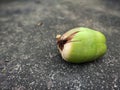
x: 29, y: 59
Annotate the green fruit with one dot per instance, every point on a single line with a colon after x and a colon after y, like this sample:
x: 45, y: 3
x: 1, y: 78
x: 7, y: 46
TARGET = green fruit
x: 81, y: 45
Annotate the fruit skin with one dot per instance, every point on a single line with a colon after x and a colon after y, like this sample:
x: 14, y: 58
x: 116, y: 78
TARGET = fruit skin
x: 84, y: 46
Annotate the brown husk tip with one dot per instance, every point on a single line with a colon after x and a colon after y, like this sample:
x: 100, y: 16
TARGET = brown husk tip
x: 61, y: 42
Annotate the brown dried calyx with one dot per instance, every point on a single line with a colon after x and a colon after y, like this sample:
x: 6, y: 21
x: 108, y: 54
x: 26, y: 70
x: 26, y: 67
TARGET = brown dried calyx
x: 61, y: 42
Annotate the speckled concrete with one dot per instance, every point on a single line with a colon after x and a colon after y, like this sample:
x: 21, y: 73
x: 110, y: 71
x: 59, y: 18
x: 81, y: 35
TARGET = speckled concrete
x: 29, y: 59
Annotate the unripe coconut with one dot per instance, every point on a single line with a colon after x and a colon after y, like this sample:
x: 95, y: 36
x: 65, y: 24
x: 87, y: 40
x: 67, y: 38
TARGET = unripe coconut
x: 81, y: 45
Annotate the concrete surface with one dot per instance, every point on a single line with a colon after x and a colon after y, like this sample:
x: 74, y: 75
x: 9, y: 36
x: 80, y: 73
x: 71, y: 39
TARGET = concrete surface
x: 29, y: 59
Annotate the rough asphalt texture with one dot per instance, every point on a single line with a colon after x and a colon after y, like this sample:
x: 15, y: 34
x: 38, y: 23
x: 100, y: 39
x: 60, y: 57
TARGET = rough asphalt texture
x: 29, y: 59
